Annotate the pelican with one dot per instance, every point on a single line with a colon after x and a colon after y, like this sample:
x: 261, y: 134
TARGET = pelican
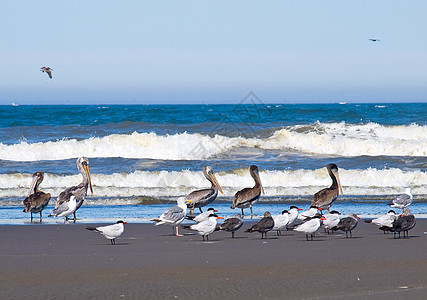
x: 204, y: 197
x: 249, y: 196
x: 48, y: 70
x: 79, y: 192
x: 324, y: 198
x: 36, y: 200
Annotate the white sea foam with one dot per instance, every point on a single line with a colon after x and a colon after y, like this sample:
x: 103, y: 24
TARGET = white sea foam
x: 320, y: 138
x: 173, y: 184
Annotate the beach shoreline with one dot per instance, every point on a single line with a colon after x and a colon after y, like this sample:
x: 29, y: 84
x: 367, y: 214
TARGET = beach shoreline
x: 52, y: 261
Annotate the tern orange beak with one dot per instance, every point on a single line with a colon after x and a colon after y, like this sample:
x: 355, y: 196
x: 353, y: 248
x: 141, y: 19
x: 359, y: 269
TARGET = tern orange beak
x: 220, y: 218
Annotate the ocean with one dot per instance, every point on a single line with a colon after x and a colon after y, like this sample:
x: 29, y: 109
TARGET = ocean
x: 144, y: 157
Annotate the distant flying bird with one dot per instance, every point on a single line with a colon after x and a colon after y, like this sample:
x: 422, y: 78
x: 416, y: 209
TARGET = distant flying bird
x: 111, y: 232
x: 374, y: 40
x: 48, y: 70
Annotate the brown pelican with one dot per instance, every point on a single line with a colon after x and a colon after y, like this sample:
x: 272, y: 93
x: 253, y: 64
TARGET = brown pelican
x: 264, y: 225
x: 204, y: 197
x: 111, y: 232
x: 77, y: 192
x: 36, y: 200
x: 249, y: 196
x: 47, y: 70
x: 324, y: 198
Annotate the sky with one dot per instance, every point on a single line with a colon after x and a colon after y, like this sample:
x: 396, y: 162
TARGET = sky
x: 168, y: 52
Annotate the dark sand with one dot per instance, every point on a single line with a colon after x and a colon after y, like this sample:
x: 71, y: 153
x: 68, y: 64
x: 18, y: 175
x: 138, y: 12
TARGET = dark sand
x: 67, y: 261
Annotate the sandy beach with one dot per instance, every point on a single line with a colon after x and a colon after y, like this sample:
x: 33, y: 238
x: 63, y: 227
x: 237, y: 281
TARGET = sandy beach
x: 67, y: 261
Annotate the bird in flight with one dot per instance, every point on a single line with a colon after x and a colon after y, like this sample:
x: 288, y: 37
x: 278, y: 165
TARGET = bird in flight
x: 48, y: 70
x: 374, y: 40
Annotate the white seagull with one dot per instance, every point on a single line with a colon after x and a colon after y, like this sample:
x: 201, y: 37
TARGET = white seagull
x: 65, y: 209
x: 310, y: 226
x: 331, y: 220
x: 111, y: 232
x: 174, y: 216
x: 204, y: 228
x: 281, y: 221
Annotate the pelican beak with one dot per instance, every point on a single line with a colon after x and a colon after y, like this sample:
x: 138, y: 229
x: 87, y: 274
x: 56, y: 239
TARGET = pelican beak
x: 216, y: 183
x: 33, y: 185
x: 338, y: 181
x: 86, y: 168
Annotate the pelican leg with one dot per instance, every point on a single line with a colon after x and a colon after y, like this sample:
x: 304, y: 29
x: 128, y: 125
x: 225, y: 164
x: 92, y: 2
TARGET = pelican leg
x: 242, y: 213
x: 31, y: 217
x: 41, y: 218
x: 75, y: 218
x: 200, y: 209
x: 252, y: 214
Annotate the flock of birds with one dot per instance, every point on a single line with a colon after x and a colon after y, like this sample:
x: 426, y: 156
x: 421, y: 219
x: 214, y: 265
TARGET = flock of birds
x: 308, y: 222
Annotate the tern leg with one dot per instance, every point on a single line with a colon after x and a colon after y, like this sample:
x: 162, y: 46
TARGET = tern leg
x: 75, y: 218
x: 306, y: 237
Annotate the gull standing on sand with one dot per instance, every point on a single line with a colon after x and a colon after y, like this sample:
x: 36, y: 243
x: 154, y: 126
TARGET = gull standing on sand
x: 111, y: 232
x: 203, y: 216
x: 65, y: 209
x: 264, y: 225
x: 249, y: 196
x: 205, y: 227
x: 331, y: 220
x: 78, y: 192
x: 384, y: 221
x: 204, y: 197
x: 174, y: 216
x: 403, y: 223
x: 347, y: 224
x: 36, y: 200
x: 281, y: 221
x: 325, y: 197
x: 403, y: 200
x: 310, y: 226
x: 231, y: 224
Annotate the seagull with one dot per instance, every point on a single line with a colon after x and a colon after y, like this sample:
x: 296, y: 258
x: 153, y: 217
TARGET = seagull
x: 347, y: 224
x: 111, y: 232
x: 249, y: 196
x: 374, y: 40
x: 264, y: 225
x: 203, y: 216
x: 36, y: 200
x: 79, y: 191
x: 311, y: 212
x: 384, y: 221
x: 174, y: 216
x: 281, y: 221
x: 403, y: 200
x: 310, y: 226
x: 231, y: 224
x: 205, y: 227
x: 404, y: 222
x: 331, y: 220
x: 65, y: 209
x: 47, y: 70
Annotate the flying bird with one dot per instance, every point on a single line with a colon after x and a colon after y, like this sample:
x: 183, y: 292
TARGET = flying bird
x: 249, y: 196
x: 48, y: 71
x: 374, y: 40
x: 111, y: 232
x: 36, y: 200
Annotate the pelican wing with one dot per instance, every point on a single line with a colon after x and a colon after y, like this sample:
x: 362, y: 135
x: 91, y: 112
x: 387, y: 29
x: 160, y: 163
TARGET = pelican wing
x: 324, y: 197
x: 246, y: 196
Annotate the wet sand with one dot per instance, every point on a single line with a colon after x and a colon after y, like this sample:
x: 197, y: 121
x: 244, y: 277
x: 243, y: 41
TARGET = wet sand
x: 67, y: 261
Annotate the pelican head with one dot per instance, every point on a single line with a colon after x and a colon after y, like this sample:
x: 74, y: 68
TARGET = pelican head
x: 83, y: 166
x: 210, y: 175
x: 333, y: 172
x: 37, y: 179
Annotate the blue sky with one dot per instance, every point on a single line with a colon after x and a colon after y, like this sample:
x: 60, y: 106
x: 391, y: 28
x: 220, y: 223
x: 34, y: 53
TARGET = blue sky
x: 212, y: 51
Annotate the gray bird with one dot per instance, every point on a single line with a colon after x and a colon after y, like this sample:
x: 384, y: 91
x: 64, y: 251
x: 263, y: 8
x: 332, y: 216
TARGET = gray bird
x: 264, y: 225
x: 36, y: 200
x: 231, y: 224
x: 403, y: 200
x: 403, y: 223
x: 347, y: 224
